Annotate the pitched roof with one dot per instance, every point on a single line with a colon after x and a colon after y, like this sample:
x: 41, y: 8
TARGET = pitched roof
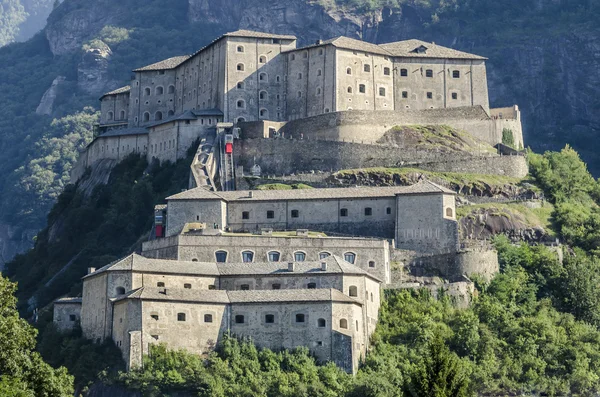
x: 177, y: 294
x: 124, y: 131
x: 121, y: 90
x: 189, y: 115
x: 407, y: 48
x: 289, y: 295
x: 138, y: 263
x: 259, y: 35
x: 199, y: 193
x: 166, y: 64
x: 348, y: 44
x: 76, y: 301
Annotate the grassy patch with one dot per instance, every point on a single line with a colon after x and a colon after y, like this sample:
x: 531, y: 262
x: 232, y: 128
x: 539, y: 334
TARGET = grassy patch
x: 283, y: 186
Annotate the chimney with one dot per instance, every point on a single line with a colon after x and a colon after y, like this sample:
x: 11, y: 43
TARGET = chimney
x: 318, y: 42
x: 250, y: 194
x: 291, y: 266
x: 91, y: 270
x: 324, y: 266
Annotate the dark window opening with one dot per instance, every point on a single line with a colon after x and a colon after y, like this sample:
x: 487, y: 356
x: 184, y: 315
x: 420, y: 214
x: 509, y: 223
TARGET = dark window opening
x: 239, y: 319
x: 245, y: 215
x: 362, y: 88
x: 311, y: 286
x: 187, y: 286
x: 270, y: 214
x: 160, y: 284
x: 269, y: 318
x: 221, y: 256
x: 368, y: 211
x: 454, y: 95
x: 429, y: 73
x: 403, y: 72
x: 371, y: 263
x: 321, y: 323
x: 456, y: 74
x: 208, y: 318
x: 276, y: 286
x: 300, y: 318
x: 245, y: 287
x: 344, y: 212
x: 72, y: 317
x: 295, y: 213
x: 430, y: 95
x: 180, y: 316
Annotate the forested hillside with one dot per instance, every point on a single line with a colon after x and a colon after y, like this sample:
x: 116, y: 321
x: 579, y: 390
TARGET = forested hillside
x: 21, y: 19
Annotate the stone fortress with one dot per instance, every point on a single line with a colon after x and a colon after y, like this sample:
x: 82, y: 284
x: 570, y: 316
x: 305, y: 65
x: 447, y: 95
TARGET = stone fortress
x: 243, y: 261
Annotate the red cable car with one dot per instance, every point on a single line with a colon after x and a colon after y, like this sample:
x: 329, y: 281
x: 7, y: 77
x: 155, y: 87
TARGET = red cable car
x: 229, y: 148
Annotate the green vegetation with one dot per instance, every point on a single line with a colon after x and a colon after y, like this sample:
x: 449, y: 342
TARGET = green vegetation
x: 508, y: 138
x: 532, y: 217
x: 12, y: 14
x: 283, y: 186
x: 93, y: 231
x: 23, y: 373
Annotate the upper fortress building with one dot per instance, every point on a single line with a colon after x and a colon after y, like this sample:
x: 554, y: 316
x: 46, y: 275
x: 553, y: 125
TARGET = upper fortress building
x: 250, y: 76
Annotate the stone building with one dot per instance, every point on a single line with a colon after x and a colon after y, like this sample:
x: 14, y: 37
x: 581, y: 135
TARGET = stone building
x: 330, y: 306
x: 421, y: 217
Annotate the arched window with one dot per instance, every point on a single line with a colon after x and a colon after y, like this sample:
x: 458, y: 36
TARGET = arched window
x: 277, y: 79
x: 147, y: 91
x: 353, y: 290
x: 171, y: 113
x: 386, y: 71
x: 239, y: 319
x: 403, y: 72
x: 367, y: 67
x: 240, y: 48
x: 158, y: 116
x: 321, y: 323
x: 263, y: 77
x: 208, y: 318
x: 319, y: 72
x: 349, y: 90
x: 350, y: 257
x: 263, y: 113
x: 323, y: 255
x: 146, y: 116
x: 241, y: 104
x: 240, y: 67
x: 299, y: 76
x: 311, y: 285
x: 343, y: 323
x: 180, y: 316
x: 293, y: 57
x: 262, y: 59
x: 159, y: 90
x: 299, y: 256
x: 247, y: 256
x: 263, y: 96
x: 240, y: 85
x: 221, y: 256
x: 120, y: 290
x: 122, y: 115
x: 348, y: 70
x: 241, y: 119
x: 318, y: 90
x: 299, y: 94
x: 171, y: 89
x: 381, y: 91
x: 274, y: 256
x: 109, y: 116
x: 449, y: 212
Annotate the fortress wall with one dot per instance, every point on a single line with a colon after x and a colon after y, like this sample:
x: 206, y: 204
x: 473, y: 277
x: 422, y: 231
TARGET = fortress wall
x: 286, y: 156
x: 369, y: 126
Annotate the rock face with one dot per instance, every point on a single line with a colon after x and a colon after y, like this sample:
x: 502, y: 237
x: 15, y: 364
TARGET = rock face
x: 307, y: 20
x: 92, y: 71
x: 483, y: 224
x: 13, y: 241
x: 47, y: 102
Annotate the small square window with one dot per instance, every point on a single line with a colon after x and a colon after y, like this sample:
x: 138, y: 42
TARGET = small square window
x: 386, y: 71
x: 72, y: 317
x: 456, y: 74
x: 388, y: 210
x: 429, y: 73
x: 404, y: 94
x: 368, y: 211
x: 295, y: 213
x: 430, y: 95
x: 270, y: 214
x: 239, y: 319
x: 245, y: 215
x: 187, y: 286
x: 344, y: 212
x: 300, y: 318
x: 180, y: 316
x: 454, y: 95
x: 270, y: 318
x: 276, y: 286
x: 367, y: 68
x: 371, y: 263
x: 403, y: 72
x: 208, y: 318
x: 362, y: 88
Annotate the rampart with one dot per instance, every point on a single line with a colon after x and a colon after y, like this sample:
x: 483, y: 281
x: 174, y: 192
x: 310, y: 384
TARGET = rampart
x: 287, y: 156
x: 369, y: 126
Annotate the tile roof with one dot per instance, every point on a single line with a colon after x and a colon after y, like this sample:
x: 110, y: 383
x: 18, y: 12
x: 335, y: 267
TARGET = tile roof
x: 123, y: 132
x: 199, y: 193
x: 407, y: 49
x: 348, y: 44
x: 166, y: 64
x: 177, y: 294
x: 189, y: 115
x: 121, y: 90
x: 138, y: 263
x: 259, y: 35
x: 289, y: 295
x: 224, y: 297
x: 69, y: 300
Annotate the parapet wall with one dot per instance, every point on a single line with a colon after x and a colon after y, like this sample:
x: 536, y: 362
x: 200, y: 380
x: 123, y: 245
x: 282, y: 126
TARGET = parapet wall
x: 369, y: 126
x: 287, y: 156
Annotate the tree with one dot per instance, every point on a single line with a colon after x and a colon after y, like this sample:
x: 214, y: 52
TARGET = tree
x: 24, y: 373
